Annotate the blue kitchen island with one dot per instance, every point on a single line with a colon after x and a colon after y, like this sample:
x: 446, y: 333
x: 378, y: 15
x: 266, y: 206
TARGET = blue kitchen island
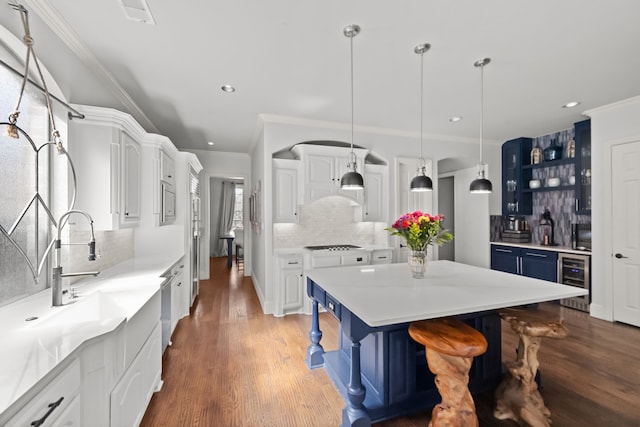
x: 378, y: 369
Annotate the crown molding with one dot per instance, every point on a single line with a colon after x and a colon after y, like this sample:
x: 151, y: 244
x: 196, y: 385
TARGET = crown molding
x: 56, y: 22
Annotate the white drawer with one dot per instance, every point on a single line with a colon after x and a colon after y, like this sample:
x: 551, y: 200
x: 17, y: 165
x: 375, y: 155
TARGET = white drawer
x: 66, y: 386
x: 355, y: 258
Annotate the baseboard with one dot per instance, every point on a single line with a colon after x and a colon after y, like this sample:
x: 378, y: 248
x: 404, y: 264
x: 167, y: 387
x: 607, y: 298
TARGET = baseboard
x: 600, y: 312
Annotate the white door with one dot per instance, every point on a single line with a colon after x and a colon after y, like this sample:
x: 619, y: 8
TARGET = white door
x: 407, y: 201
x: 626, y: 232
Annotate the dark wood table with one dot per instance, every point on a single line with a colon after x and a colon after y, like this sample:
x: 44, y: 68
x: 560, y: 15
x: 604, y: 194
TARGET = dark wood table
x: 229, y: 238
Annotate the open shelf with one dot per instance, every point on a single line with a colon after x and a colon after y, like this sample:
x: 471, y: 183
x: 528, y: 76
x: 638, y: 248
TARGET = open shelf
x: 558, y: 188
x: 560, y: 162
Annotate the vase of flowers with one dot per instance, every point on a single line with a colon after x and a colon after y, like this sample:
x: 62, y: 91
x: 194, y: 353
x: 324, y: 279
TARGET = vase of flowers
x: 420, y: 230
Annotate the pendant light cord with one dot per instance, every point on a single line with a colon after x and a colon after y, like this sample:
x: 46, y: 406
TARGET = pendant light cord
x: 421, y: 101
x: 351, y: 92
x: 481, y: 110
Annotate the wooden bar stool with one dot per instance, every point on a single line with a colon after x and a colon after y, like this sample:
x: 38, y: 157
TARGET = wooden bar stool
x: 450, y: 346
x: 517, y: 397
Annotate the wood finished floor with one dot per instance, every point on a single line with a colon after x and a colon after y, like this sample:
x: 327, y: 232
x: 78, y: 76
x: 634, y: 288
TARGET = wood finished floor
x: 232, y: 366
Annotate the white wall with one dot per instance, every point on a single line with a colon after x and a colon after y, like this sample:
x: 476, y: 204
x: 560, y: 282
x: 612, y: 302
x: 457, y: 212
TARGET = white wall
x: 611, y: 124
x: 471, y: 223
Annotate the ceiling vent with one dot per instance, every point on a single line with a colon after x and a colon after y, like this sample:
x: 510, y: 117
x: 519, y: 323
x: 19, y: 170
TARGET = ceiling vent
x: 137, y: 10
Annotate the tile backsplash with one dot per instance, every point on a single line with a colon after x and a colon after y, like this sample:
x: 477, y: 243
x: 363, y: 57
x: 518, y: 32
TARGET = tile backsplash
x: 112, y: 247
x: 329, y: 220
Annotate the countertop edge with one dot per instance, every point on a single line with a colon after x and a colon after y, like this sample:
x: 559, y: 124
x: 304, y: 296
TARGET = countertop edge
x: 566, y: 249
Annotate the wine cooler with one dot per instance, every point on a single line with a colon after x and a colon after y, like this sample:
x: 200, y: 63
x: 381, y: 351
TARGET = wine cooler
x: 573, y: 270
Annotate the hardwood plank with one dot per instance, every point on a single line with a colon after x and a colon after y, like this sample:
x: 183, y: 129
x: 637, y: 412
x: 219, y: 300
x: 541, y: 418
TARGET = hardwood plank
x: 232, y: 366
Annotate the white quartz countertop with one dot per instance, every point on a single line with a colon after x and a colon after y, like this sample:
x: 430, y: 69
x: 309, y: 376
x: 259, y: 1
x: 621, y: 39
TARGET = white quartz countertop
x: 567, y: 249
x: 32, y: 349
x: 387, y: 294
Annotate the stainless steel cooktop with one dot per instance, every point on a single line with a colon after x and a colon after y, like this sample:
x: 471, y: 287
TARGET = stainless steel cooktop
x: 332, y: 247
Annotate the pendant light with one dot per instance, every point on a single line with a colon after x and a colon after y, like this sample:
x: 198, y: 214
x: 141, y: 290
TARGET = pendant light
x: 352, y: 180
x: 421, y: 182
x: 481, y: 185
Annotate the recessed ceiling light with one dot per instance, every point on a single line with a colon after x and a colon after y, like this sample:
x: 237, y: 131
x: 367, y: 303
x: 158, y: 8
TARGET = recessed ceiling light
x: 211, y: 143
x: 455, y: 119
x: 571, y: 104
x: 228, y: 88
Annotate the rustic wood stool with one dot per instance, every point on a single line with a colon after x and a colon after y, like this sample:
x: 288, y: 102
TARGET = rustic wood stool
x: 450, y: 346
x: 517, y: 397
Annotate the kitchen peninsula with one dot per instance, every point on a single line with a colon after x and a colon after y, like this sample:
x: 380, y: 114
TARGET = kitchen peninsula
x: 380, y: 372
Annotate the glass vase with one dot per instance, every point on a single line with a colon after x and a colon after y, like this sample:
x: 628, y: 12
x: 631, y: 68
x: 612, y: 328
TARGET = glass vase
x: 418, y: 263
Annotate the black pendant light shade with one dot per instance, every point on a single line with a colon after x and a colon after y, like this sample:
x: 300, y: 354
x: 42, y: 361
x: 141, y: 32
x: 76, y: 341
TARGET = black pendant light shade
x: 352, y: 180
x: 421, y: 182
x: 481, y: 185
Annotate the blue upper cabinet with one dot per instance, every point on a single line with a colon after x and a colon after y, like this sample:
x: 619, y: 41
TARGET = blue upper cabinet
x: 515, y: 179
x: 583, y: 167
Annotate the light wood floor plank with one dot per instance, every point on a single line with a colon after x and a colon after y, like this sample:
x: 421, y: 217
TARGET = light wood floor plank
x: 232, y: 366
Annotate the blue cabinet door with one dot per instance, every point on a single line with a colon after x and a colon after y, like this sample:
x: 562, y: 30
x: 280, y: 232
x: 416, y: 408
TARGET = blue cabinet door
x: 515, y: 154
x: 540, y: 264
x: 583, y: 167
x: 505, y: 258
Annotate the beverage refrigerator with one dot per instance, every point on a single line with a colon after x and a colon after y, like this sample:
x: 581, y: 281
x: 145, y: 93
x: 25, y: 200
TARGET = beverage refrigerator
x: 573, y: 270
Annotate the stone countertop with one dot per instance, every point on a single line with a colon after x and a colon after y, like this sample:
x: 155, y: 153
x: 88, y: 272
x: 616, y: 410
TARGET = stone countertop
x: 566, y: 249
x: 386, y: 294
x: 32, y: 349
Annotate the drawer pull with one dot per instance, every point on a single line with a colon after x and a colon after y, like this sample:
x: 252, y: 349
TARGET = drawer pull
x: 52, y: 407
x: 538, y: 255
x: 504, y: 250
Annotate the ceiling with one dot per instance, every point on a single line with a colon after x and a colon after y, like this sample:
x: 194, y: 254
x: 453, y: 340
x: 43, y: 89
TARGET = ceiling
x: 290, y: 58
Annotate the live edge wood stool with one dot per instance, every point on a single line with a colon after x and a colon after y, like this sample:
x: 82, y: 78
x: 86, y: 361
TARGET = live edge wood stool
x: 517, y: 397
x: 450, y: 346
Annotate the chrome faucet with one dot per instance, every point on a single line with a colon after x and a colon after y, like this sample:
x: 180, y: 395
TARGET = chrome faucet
x: 56, y: 287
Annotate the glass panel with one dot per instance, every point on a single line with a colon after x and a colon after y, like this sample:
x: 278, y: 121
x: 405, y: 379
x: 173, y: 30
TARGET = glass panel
x: 18, y: 177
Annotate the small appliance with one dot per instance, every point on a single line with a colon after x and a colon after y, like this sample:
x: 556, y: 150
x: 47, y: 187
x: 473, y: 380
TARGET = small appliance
x: 581, y: 237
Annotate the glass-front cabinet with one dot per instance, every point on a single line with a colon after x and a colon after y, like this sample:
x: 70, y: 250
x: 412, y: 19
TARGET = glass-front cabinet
x: 515, y: 179
x: 583, y: 167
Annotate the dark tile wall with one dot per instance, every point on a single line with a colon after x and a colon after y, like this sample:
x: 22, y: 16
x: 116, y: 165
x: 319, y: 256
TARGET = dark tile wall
x: 561, y: 203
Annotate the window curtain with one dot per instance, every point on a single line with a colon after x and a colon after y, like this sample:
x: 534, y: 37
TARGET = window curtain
x: 227, y: 205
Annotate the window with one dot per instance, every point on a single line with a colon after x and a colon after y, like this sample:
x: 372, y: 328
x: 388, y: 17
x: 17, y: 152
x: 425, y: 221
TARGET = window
x: 238, y: 213
x: 33, y: 232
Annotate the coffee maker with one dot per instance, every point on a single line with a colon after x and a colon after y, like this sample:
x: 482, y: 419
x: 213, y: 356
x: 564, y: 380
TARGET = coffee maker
x: 516, y: 230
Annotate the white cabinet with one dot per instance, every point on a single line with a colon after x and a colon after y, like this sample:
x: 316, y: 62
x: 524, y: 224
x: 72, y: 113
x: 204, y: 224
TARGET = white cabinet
x: 106, y: 153
x: 289, y: 284
x: 130, y: 397
x: 323, y: 168
x: 131, y: 182
x: 381, y: 256
x: 167, y: 168
x: 176, y: 297
x: 285, y: 195
x: 376, y: 197
x: 60, y: 399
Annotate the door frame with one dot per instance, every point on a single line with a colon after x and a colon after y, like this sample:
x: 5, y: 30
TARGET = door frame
x: 607, y: 237
x: 604, y: 238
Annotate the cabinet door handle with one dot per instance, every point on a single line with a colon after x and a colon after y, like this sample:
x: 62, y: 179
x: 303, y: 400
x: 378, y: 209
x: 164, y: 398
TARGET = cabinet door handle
x: 577, y: 205
x: 52, y: 407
